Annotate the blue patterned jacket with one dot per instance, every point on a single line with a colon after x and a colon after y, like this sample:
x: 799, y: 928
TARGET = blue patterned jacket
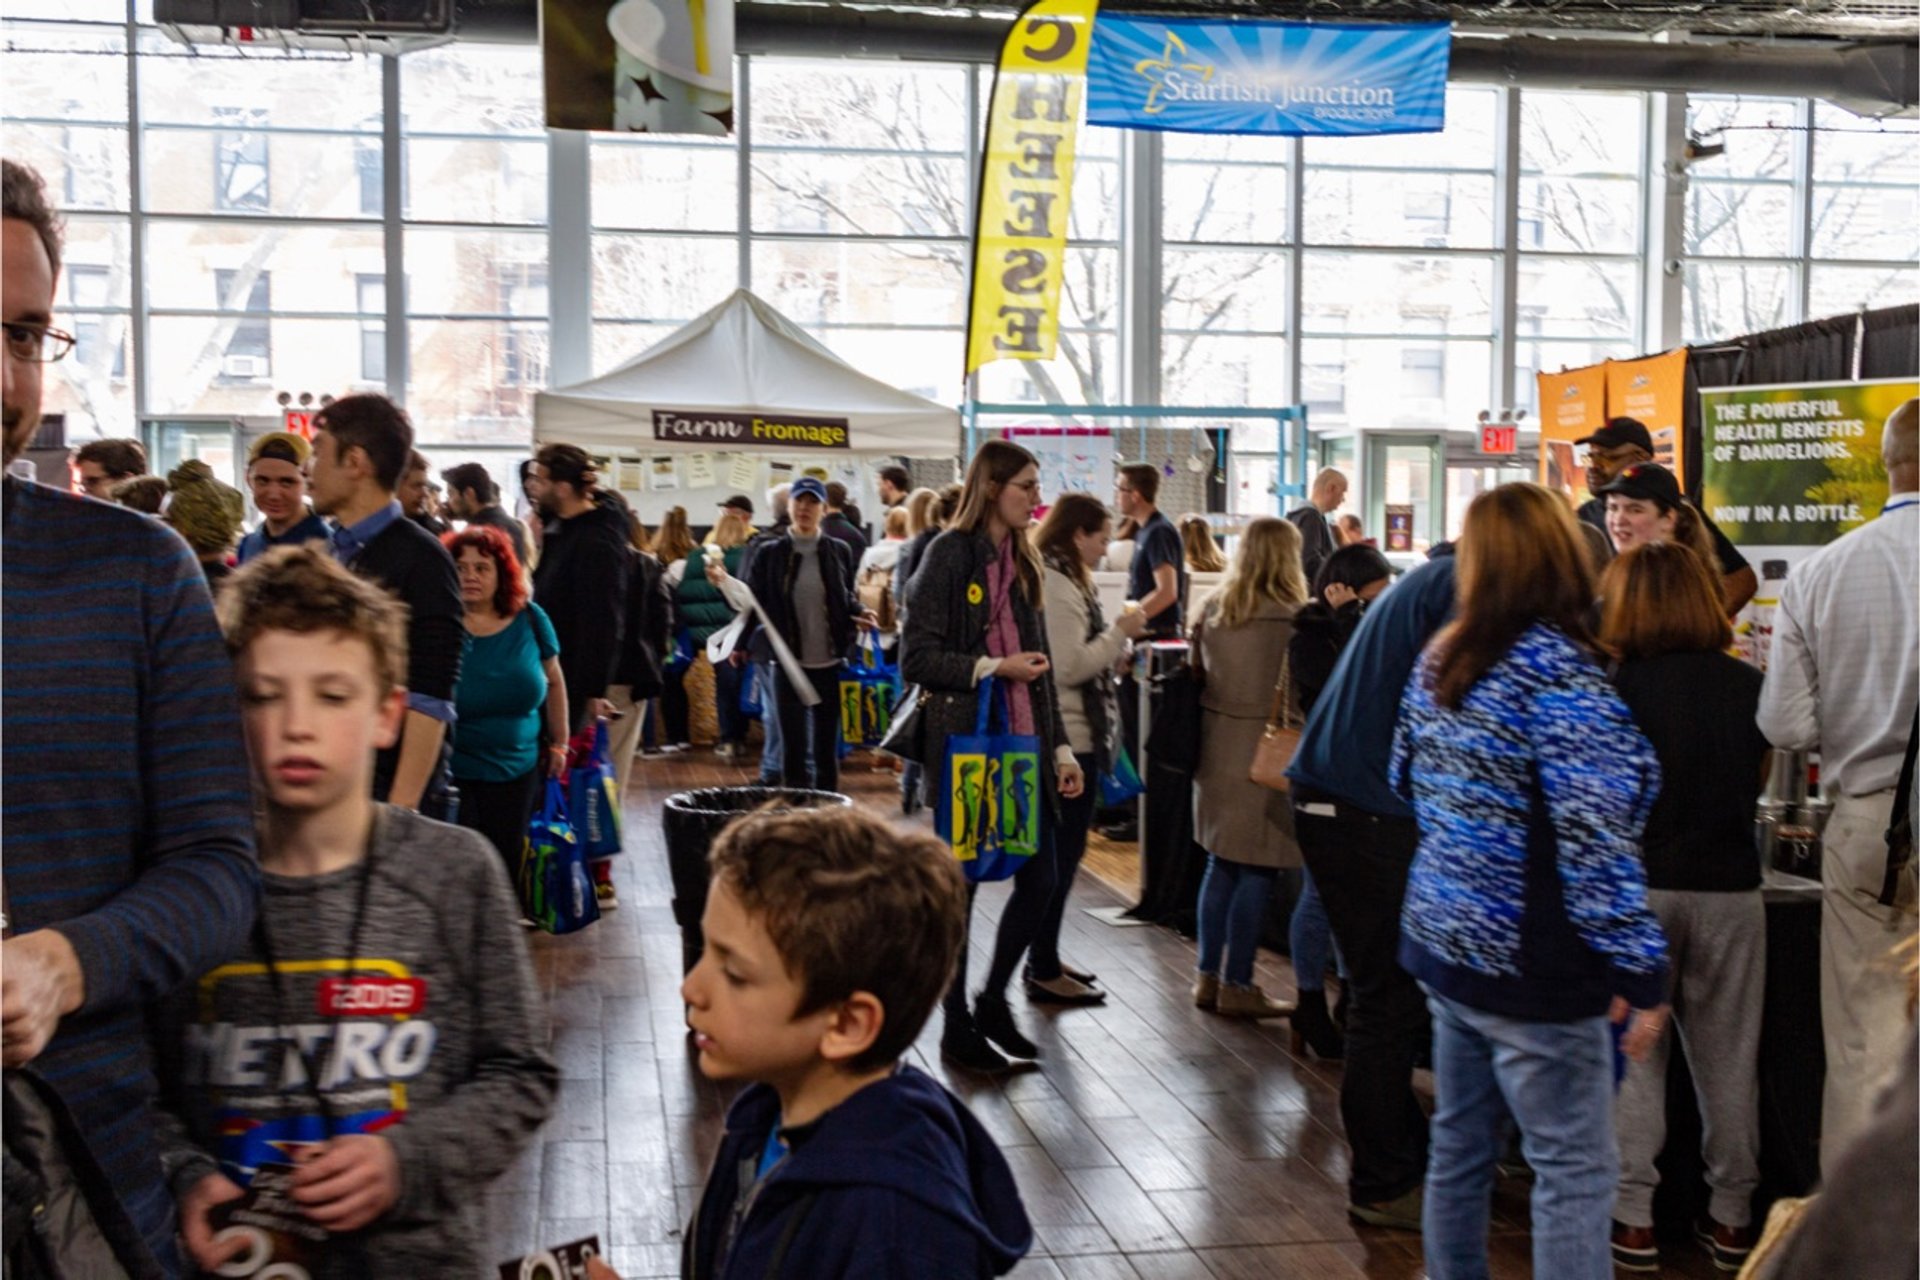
x: 1528, y: 897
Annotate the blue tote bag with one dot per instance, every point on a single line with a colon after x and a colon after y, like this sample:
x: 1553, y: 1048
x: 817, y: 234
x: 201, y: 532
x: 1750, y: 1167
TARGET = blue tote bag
x: 989, y: 791
x: 593, y: 793
x: 556, y: 887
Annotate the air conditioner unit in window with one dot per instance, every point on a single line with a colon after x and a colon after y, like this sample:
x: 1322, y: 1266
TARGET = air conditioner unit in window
x: 249, y: 367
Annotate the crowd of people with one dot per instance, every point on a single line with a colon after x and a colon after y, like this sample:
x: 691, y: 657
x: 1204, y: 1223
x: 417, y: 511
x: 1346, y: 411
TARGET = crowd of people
x: 261, y: 924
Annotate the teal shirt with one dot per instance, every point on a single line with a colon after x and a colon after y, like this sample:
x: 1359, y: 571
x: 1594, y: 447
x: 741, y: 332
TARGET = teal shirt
x: 502, y: 690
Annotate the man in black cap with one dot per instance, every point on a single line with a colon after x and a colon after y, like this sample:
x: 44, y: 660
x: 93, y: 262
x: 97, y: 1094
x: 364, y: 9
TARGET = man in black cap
x: 1619, y: 445
x: 741, y: 503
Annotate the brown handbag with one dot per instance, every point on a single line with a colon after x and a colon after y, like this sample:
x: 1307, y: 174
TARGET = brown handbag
x: 1274, y: 753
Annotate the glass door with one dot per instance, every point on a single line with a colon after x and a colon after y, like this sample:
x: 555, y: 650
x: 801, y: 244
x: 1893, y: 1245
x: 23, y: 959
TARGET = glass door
x: 215, y: 441
x: 1406, y: 498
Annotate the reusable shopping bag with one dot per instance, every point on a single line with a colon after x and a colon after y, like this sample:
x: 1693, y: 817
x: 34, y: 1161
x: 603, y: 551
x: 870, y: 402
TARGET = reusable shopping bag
x: 990, y: 791
x: 556, y: 888
x: 868, y: 690
x: 593, y: 792
x: 1120, y: 781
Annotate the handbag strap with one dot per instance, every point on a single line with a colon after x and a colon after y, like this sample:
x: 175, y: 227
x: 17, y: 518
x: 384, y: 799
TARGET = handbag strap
x: 1278, y: 718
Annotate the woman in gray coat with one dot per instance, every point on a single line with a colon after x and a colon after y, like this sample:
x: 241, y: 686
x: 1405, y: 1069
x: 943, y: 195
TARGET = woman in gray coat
x: 973, y: 610
x: 1242, y: 636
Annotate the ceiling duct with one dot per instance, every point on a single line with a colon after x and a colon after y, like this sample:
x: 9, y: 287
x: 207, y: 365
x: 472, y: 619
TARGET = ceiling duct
x: 1879, y: 79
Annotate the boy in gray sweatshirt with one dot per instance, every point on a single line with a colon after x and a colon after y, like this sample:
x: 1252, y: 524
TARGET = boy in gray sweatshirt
x: 381, y: 1032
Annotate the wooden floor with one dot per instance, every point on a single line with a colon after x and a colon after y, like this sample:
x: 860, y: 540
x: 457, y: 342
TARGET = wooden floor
x: 1155, y: 1140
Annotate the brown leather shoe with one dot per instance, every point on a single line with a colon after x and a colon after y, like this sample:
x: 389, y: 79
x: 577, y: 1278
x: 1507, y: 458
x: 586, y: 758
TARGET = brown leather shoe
x: 1729, y: 1246
x: 1206, y: 992
x: 1634, y: 1249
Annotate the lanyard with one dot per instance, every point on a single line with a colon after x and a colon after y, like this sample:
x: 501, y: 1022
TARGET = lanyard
x: 290, y: 1042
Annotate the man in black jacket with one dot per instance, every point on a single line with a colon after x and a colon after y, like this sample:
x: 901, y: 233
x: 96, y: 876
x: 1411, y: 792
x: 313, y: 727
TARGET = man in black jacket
x: 581, y: 580
x: 803, y: 581
x: 1310, y: 518
x: 361, y: 446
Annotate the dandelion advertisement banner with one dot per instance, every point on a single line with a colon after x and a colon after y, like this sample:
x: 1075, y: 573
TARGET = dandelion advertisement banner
x: 1193, y: 75
x: 1795, y: 465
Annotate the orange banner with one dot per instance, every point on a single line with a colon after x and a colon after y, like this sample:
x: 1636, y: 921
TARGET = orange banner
x: 1654, y: 390
x: 1573, y: 405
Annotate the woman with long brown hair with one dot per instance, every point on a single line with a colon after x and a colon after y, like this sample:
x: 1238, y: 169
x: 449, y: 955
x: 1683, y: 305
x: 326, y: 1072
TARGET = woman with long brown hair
x: 1526, y: 914
x: 1241, y: 639
x: 973, y: 610
x: 1662, y: 620
x: 1073, y: 541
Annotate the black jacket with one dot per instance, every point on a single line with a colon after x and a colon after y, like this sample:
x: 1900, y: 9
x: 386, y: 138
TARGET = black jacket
x: 649, y: 622
x: 1319, y: 634
x: 946, y: 634
x: 1316, y: 539
x: 843, y: 530
x: 770, y: 571
x: 581, y: 581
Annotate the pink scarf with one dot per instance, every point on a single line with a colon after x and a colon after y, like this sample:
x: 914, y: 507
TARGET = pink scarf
x: 1003, y: 634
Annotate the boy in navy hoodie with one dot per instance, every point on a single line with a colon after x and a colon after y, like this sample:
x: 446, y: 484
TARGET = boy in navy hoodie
x: 829, y: 938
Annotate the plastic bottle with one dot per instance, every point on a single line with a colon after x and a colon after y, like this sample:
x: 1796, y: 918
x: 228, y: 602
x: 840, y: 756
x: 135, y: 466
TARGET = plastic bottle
x: 1759, y: 638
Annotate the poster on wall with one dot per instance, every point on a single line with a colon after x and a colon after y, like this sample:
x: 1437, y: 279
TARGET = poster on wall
x: 1787, y: 469
x: 1653, y: 391
x: 1077, y: 460
x: 1399, y: 526
x: 1020, y: 230
x: 700, y: 472
x: 663, y: 474
x: 743, y: 471
x: 1193, y: 75
x: 1573, y: 405
x: 638, y: 66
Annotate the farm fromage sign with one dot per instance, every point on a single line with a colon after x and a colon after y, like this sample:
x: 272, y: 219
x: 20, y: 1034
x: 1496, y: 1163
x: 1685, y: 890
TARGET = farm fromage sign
x: 749, y: 430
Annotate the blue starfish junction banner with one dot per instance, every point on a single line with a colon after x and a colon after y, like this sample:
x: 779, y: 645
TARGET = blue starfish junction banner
x: 1192, y: 75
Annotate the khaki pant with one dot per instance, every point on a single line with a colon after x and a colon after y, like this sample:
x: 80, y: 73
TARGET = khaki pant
x: 1863, y: 993
x: 623, y: 735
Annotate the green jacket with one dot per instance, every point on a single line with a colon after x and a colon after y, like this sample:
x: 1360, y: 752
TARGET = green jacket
x: 697, y: 604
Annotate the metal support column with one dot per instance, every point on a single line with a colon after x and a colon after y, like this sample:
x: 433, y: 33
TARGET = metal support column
x: 1507, y: 313
x: 570, y: 257
x: 1663, y: 238
x: 393, y: 194
x: 137, y: 320
x: 743, y: 171
x: 1140, y: 266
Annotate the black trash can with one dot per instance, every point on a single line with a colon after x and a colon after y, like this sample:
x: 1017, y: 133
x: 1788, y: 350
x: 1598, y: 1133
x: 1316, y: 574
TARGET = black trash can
x: 693, y: 819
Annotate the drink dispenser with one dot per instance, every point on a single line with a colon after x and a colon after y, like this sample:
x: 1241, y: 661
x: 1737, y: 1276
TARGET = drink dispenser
x: 1789, y: 820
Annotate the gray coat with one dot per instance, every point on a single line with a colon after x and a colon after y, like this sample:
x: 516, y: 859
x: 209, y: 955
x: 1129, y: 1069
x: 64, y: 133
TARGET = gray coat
x: 1235, y: 818
x: 945, y: 635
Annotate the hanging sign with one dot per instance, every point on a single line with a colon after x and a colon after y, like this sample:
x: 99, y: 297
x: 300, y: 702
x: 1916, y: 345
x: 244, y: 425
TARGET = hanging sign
x: 1020, y: 236
x: 1399, y: 526
x: 298, y: 421
x: 1496, y: 439
x: 1653, y: 391
x: 1196, y: 75
x: 1795, y: 465
x: 641, y: 66
x: 1573, y: 405
x: 752, y: 429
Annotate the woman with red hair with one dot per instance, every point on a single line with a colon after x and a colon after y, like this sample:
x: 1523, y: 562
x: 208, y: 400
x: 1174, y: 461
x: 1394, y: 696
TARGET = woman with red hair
x: 510, y: 676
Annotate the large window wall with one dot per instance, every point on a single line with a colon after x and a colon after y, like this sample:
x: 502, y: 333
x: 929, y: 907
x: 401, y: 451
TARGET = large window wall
x: 327, y: 225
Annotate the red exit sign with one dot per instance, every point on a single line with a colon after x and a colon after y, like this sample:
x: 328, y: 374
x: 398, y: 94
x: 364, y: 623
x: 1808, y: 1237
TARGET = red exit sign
x: 1499, y: 439
x: 299, y: 421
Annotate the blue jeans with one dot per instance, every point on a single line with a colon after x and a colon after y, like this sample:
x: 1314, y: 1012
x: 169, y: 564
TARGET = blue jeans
x: 732, y: 721
x: 773, y: 751
x: 1556, y: 1080
x: 1310, y: 938
x: 1233, y: 902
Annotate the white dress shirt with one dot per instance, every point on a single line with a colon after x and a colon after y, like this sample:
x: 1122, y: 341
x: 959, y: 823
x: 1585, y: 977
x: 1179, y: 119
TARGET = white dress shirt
x: 1844, y: 671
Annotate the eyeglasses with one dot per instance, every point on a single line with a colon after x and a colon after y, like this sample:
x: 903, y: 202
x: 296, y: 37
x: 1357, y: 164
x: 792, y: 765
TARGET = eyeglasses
x: 37, y: 343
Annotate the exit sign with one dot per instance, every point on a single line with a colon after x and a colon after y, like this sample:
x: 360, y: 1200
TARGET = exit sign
x: 299, y: 421
x: 1495, y: 439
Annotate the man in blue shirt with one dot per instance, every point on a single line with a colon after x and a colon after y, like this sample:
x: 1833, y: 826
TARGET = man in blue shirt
x: 277, y: 477
x: 1157, y: 575
x: 1359, y: 837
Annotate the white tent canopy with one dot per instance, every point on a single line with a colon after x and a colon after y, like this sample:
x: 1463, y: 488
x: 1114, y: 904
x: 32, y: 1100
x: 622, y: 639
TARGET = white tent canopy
x: 744, y: 378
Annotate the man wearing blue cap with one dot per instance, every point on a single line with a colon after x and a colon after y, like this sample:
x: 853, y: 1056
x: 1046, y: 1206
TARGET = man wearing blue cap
x: 803, y: 582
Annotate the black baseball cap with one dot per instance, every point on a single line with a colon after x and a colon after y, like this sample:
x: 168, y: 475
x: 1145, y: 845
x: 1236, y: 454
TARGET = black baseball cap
x: 739, y: 502
x: 1619, y: 432
x: 1648, y: 481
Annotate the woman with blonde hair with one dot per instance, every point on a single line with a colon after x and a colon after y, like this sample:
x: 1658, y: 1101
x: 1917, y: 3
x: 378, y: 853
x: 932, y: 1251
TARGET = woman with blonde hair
x: 1526, y: 915
x: 974, y: 610
x: 1663, y: 620
x: 1240, y: 641
x: 1203, y: 553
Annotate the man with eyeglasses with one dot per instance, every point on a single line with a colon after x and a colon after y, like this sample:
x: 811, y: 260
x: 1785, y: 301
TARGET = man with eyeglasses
x: 126, y: 815
x: 1617, y: 446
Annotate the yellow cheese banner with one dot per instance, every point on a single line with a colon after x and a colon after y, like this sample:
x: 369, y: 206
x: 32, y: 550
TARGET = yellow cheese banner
x: 1020, y: 236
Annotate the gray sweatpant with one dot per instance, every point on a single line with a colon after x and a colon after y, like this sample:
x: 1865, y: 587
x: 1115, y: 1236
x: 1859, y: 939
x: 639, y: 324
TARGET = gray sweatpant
x: 1717, y: 949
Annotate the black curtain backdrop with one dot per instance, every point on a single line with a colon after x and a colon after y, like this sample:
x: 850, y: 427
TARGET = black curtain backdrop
x: 1886, y: 343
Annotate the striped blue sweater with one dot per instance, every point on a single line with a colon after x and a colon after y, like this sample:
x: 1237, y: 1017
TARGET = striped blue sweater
x: 1528, y: 897
x: 125, y: 813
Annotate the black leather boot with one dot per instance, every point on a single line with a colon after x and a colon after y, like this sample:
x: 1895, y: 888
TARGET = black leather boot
x: 1313, y: 1028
